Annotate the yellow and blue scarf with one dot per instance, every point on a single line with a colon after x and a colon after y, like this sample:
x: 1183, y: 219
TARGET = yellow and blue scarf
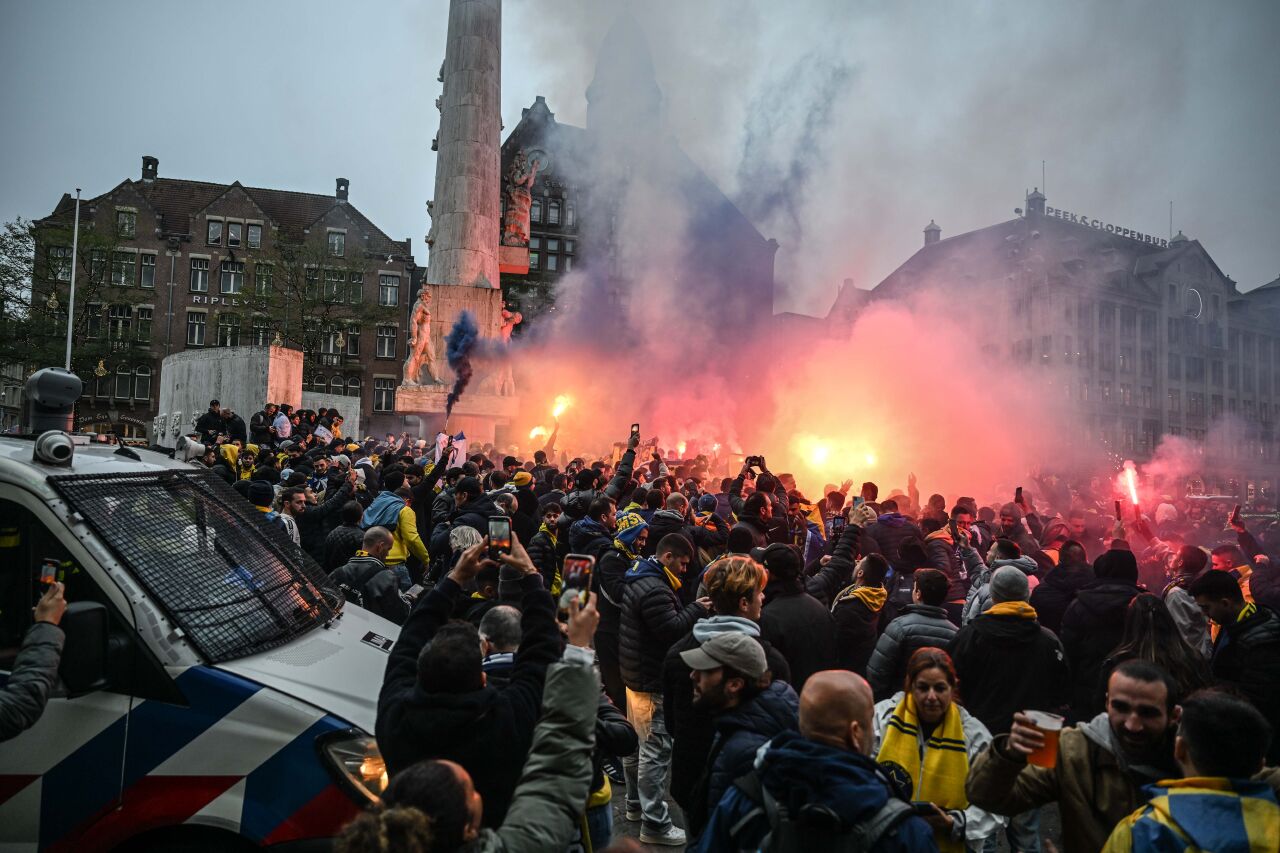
x: 937, y: 766
x: 630, y: 526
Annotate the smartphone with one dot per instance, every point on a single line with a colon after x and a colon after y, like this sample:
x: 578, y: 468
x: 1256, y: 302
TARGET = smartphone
x: 1017, y: 495
x: 1117, y: 510
x: 499, y: 536
x: 1235, y: 515
x: 838, y: 524
x: 923, y: 809
x: 577, y: 574
x: 635, y: 431
x: 859, y: 501
x: 414, y: 592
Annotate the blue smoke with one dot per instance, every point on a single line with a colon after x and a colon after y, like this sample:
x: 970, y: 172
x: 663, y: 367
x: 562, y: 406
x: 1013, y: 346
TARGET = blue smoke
x: 459, y: 344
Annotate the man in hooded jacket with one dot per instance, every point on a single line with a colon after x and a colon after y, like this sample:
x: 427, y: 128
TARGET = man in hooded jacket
x: 1060, y: 586
x: 1094, y: 624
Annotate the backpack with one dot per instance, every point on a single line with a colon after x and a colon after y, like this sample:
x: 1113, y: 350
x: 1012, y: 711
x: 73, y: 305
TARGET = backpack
x: 816, y: 827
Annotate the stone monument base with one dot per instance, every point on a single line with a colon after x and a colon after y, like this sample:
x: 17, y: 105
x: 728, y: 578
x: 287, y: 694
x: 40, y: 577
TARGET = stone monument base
x: 476, y: 414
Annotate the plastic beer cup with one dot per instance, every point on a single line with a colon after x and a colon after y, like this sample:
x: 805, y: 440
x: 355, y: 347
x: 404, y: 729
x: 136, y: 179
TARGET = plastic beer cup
x: 1050, y: 725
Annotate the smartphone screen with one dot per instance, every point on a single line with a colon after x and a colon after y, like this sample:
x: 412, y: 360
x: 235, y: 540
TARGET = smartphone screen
x: 859, y: 501
x: 499, y: 536
x: 577, y: 575
x: 635, y: 430
x: 48, y: 572
x: 1017, y: 494
x: 414, y: 592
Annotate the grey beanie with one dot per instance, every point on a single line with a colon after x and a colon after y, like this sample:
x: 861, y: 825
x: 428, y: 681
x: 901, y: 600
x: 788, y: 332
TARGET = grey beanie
x: 1009, y: 583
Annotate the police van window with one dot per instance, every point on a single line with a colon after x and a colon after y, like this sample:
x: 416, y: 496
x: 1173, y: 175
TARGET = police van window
x: 26, y: 545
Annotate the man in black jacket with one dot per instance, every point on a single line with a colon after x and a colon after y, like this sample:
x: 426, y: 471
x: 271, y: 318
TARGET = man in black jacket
x: 369, y: 582
x: 233, y: 426
x: 1059, y: 587
x: 1246, y: 652
x: 434, y: 702
x: 653, y: 619
x: 920, y: 624
x: 343, y: 541
x: 260, y: 427
x: 861, y: 612
x: 798, y: 625
x: 209, y: 425
x: 1094, y: 624
x: 314, y: 524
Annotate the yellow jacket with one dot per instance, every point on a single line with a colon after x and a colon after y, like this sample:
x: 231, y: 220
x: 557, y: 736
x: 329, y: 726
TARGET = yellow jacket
x: 406, y: 540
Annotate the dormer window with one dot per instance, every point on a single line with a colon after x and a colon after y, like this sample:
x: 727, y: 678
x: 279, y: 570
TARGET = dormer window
x: 337, y: 244
x: 214, y: 237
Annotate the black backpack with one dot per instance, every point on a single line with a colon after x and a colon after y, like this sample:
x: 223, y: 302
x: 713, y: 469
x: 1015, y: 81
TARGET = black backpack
x: 816, y: 827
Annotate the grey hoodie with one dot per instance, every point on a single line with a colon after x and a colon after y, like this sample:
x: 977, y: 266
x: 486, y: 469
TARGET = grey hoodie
x: 979, y: 600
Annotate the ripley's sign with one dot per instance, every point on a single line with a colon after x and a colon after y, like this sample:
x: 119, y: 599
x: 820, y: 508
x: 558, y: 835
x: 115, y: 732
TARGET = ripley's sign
x: 1081, y: 219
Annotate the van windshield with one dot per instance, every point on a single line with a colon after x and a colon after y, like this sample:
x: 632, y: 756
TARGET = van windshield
x: 232, y: 583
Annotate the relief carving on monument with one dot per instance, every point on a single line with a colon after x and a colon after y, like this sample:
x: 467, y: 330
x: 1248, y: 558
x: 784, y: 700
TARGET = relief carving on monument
x: 422, y: 357
x: 519, y: 198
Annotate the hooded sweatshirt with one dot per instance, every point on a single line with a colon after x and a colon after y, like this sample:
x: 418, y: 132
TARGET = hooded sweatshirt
x: 1201, y: 813
x: 979, y: 598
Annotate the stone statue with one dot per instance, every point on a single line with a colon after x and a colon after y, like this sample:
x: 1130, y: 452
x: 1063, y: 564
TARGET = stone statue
x: 421, y: 353
x: 431, y: 232
x: 519, y: 198
x: 506, y: 378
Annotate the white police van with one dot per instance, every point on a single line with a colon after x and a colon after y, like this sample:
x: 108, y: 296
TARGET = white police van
x: 213, y: 694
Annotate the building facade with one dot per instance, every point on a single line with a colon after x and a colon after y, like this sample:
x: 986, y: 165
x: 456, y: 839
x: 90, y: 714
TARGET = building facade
x: 1146, y: 337
x: 168, y: 265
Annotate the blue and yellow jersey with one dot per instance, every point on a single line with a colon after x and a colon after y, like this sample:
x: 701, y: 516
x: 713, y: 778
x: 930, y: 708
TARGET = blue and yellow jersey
x: 1201, y: 813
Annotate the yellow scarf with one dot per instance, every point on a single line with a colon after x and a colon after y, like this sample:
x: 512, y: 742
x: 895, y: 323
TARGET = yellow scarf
x: 872, y: 596
x: 945, y: 762
x: 557, y: 583
x: 674, y: 581
x: 1012, y: 608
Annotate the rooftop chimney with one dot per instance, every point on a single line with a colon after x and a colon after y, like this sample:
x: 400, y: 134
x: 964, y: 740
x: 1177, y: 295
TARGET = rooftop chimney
x: 932, y: 233
x: 1035, y: 203
x: 150, y: 166
x: 343, y: 183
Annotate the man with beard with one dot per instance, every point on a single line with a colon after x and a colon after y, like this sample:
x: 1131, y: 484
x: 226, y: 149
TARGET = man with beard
x: 729, y: 678
x: 1102, y: 765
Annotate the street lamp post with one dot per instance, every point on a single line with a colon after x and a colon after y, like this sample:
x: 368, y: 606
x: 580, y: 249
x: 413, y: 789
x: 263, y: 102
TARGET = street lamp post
x: 71, y: 302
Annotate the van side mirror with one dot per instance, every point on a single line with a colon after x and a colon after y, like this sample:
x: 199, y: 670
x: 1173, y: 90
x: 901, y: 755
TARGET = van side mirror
x: 83, y: 668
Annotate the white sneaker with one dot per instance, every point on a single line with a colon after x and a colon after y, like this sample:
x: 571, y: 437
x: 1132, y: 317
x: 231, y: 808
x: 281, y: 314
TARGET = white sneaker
x: 673, y: 837
x: 635, y: 815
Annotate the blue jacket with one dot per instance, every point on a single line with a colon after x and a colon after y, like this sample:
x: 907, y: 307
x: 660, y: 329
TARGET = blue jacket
x: 798, y: 771
x: 383, y: 512
x: 1223, y: 815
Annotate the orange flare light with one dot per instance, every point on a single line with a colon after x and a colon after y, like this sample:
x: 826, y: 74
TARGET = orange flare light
x: 562, y: 404
x: 537, y: 432
x: 1132, y: 479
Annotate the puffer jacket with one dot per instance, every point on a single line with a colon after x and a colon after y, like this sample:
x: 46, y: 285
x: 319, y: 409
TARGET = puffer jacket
x: 1246, y: 656
x: 590, y: 537
x: 32, y: 675
x: 887, y: 533
x: 652, y: 619
x: 801, y: 628
x: 373, y: 586
x: 1057, y: 589
x: 1091, y: 628
x: 946, y: 558
x: 978, y: 599
x: 917, y: 626
x: 544, y: 554
x: 739, y: 734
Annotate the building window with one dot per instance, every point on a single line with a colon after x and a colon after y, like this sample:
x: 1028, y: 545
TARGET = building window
x: 1148, y: 367
x: 1175, y: 401
x: 535, y: 210
x: 228, y: 330
x: 333, y: 281
x: 262, y: 279
x: 355, y: 288
x: 337, y: 244
x: 142, y: 383
x: 124, y: 383
x: 568, y: 263
x: 255, y: 236
x: 122, y: 268
x: 353, y: 386
x: 195, y: 328
x: 337, y: 385
x: 261, y: 330
x: 1148, y: 397
x: 144, y: 324
x: 147, y: 271
x: 215, y: 233
x: 568, y: 247
x: 353, y: 340
x: 312, y: 276
x: 384, y: 395
x: 60, y: 262
x: 553, y: 212
x: 119, y: 318
x: 1126, y: 359
x: 386, y: 342
x: 199, y: 275
x: 232, y: 276
x: 329, y: 342
x: 97, y: 265
x: 126, y: 223
x: 1175, y: 366
x: 93, y: 320
x: 234, y: 230
x: 388, y: 290
x: 319, y: 383
x: 533, y: 261
x: 570, y: 218
x: 552, y: 266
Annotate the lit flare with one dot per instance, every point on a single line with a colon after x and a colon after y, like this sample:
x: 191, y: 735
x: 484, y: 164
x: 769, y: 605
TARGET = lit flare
x: 561, y: 406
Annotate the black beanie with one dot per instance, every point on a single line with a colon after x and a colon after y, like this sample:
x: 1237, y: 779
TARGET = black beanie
x: 1116, y: 565
x: 261, y: 493
x: 586, y: 479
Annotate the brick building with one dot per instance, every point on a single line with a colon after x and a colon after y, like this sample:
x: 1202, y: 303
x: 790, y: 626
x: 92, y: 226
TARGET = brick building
x: 169, y: 264
x: 1145, y: 336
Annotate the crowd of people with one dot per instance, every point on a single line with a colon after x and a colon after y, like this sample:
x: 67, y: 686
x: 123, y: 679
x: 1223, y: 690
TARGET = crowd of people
x: 854, y: 672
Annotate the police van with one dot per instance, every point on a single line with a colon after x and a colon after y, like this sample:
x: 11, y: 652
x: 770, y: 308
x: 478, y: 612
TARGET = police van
x: 213, y: 694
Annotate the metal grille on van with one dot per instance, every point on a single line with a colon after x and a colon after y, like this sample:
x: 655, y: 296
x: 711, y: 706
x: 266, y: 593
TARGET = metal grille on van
x: 234, y: 584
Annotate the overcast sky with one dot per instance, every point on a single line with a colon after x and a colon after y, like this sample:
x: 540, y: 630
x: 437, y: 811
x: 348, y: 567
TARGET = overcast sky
x: 878, y: 116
